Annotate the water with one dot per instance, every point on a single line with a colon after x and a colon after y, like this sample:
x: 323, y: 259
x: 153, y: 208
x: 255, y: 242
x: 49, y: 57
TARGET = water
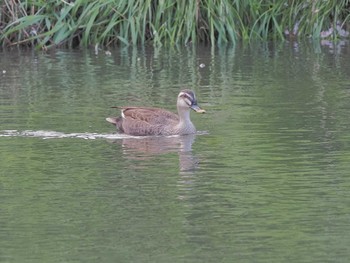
x: 266, y: 179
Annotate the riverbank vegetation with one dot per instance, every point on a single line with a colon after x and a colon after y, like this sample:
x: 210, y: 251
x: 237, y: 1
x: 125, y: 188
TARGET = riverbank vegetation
x: 45, y: 24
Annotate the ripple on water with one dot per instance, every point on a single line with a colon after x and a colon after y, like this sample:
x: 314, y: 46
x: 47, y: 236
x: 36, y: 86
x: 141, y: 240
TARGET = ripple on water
x: 58, y: 135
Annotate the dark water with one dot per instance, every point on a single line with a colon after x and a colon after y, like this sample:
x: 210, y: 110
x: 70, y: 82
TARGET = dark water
x: 266, y: 179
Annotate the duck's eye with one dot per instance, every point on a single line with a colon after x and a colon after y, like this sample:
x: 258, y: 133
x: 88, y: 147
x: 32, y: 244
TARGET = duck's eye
x: 189, y: 103
x: 187, y: 99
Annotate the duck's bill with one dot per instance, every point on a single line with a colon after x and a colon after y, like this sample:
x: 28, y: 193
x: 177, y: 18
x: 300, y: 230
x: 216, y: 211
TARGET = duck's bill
x: 197, y: 109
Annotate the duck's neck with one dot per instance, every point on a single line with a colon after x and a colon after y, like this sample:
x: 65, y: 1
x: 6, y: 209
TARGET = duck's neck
x: 185, y: 124
x: 184, y: 116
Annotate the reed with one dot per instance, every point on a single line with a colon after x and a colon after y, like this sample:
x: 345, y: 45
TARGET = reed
x: 166, y: 22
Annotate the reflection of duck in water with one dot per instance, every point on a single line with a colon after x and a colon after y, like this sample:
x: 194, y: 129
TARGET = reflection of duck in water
x: 146, y: 148
x: 141, y: 121
x: 155, y: 145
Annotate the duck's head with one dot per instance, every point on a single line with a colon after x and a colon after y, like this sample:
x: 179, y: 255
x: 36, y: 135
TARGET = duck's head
x: 187, y: 100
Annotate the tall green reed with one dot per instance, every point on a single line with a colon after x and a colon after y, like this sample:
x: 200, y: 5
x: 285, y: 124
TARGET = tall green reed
x: 167, y: 22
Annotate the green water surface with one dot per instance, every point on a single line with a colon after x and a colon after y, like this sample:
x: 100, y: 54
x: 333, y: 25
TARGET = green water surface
x: 267, y: 178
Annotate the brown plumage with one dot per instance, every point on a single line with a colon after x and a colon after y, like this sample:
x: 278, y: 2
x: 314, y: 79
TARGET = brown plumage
x: 141, y: 121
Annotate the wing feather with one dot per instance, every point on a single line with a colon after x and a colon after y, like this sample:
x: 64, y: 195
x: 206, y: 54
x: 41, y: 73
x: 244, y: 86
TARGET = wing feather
x: 145, y: 120
x: 152, y: 116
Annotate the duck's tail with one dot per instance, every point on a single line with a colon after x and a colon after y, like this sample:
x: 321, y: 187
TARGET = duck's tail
x: 117, y: 121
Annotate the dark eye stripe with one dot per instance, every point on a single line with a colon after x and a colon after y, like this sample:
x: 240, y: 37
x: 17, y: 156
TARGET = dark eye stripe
x: 188, y: 99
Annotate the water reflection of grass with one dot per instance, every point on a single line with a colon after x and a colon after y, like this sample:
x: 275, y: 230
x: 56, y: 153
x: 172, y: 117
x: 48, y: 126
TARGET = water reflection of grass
x: 83, y: 23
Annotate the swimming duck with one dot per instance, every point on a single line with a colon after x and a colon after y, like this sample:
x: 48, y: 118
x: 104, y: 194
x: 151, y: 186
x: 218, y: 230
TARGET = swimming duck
x: 143, y: 121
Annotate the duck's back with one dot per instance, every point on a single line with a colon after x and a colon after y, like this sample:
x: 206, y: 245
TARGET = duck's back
x: 141, y: 121
x: 152, y: 116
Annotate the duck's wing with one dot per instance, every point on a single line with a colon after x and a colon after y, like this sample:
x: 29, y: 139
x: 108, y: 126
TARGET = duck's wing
x: 152, y: 116
x: 142, y: 121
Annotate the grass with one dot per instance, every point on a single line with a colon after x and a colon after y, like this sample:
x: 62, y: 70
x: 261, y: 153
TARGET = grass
x: 45, y: 24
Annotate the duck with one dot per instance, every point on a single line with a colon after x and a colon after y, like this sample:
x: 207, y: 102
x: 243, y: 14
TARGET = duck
x: 147, y: 121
